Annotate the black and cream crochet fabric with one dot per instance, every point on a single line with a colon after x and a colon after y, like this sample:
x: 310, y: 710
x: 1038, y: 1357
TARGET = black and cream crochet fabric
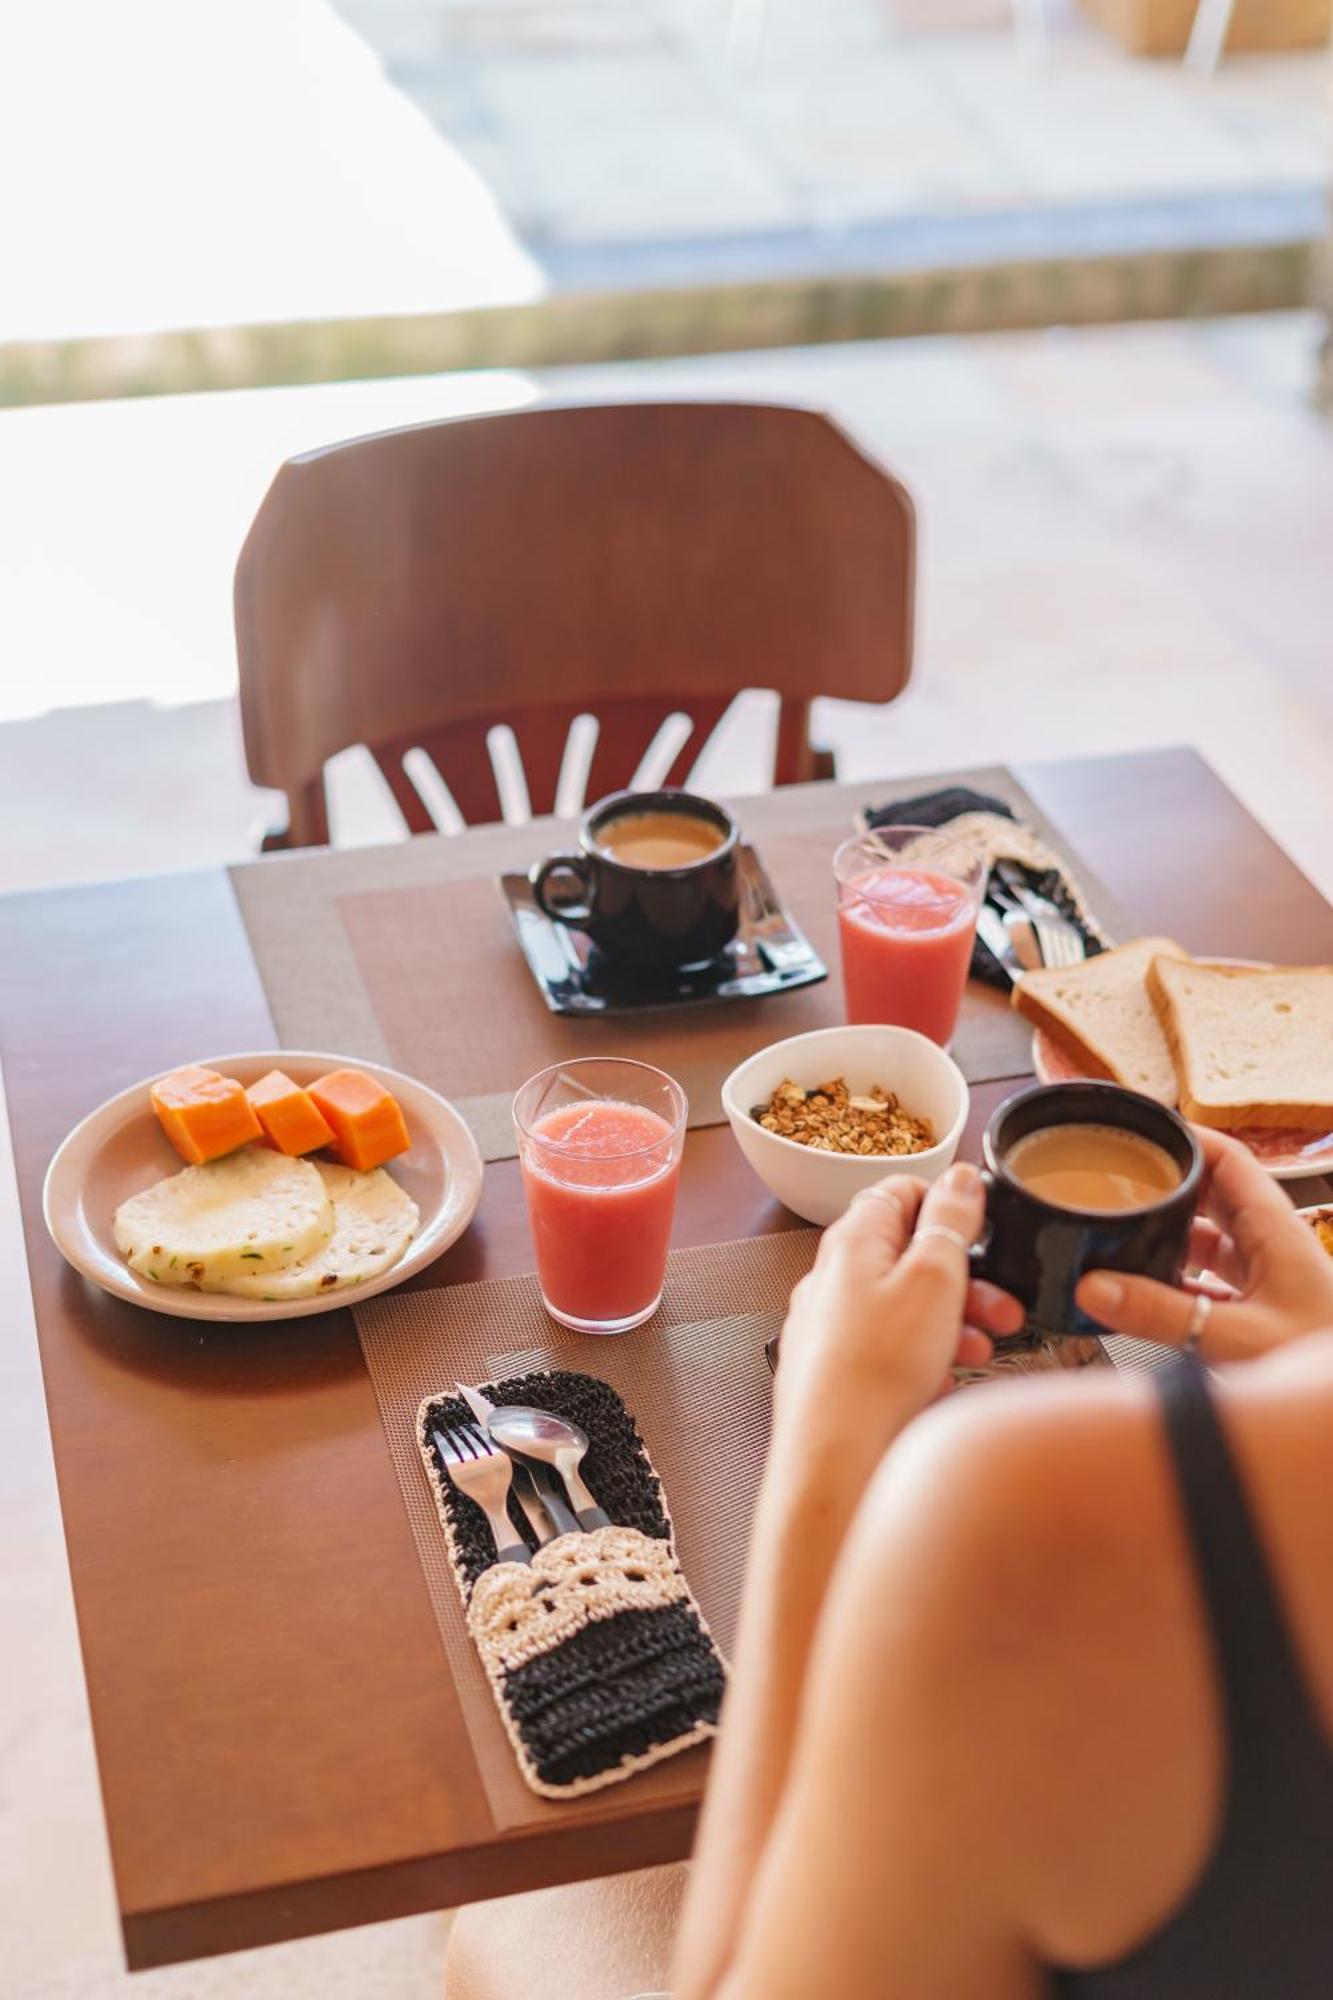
x: 598, y: 1655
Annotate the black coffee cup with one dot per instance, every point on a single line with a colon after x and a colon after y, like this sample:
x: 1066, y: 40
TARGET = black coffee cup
x: 646, y: 919
x: 1038, y: 1250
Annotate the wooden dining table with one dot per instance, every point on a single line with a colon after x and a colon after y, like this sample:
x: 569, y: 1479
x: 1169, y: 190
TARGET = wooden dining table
x: 280, y: 1747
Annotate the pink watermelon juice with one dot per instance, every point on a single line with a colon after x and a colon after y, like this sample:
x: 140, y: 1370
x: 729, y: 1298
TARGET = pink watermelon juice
x: 906, y: 938
x: 601, y: 1179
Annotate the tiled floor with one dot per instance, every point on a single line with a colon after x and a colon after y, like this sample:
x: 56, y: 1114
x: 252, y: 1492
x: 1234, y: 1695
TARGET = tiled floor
x: 1125, y: 540
x: 658, y: 119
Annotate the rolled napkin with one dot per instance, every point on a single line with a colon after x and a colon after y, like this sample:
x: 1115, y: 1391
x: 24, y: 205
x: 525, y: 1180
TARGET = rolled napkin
x: 989, y: 826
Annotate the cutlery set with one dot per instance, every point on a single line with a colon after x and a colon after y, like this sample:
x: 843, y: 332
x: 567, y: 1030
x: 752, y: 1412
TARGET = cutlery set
x: 533, y: 1454
x: 593, y: 1646
x: 1023, y: 930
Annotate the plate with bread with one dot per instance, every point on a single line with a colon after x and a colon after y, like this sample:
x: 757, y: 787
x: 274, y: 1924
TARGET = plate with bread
x: 262, y: 1186
x: 1243, y: 1047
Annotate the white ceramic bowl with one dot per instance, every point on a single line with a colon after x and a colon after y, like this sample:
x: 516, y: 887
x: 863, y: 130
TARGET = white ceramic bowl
x: 818, y: 1185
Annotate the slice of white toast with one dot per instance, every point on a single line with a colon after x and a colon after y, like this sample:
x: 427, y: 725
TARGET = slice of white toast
x: 1098, y: 1012
x: 1251, y: 1045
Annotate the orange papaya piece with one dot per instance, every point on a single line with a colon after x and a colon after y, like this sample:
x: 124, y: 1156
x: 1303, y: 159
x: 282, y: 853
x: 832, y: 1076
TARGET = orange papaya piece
x: 293, y: 1123
x: 203, y: 1114
x: 367, y: 1120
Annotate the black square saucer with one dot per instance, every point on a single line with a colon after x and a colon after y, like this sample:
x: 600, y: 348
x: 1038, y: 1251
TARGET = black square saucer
x: 769, y: 954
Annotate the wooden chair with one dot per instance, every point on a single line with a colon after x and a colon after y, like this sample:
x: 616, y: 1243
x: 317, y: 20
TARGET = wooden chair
x: 415, y: 589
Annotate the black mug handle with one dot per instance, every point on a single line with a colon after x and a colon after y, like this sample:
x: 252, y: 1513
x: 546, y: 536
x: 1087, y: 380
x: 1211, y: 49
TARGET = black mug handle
x: 978, y: 1256
x: 578, y: 915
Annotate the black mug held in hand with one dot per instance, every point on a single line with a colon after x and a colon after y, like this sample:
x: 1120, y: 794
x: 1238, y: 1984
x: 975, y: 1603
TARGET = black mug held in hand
x: 1039, y: 1249
x: 655, y: 882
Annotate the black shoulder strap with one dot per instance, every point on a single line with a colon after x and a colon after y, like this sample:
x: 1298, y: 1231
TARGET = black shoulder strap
x: 1268, y: 1710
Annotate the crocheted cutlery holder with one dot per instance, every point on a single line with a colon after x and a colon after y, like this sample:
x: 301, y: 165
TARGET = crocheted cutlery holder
x: 598, y: 1656
x: 991, y: 827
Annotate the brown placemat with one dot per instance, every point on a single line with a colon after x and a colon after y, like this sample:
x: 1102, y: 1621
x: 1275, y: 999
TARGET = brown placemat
x: 696, y: 1381
x: 408, y: 956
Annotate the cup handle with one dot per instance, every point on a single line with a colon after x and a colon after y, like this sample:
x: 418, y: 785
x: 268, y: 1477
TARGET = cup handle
x: 577, y: 914
x: 978, y: 1256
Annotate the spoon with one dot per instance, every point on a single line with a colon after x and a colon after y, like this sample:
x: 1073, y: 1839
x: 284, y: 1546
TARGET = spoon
x: 550, y: 1440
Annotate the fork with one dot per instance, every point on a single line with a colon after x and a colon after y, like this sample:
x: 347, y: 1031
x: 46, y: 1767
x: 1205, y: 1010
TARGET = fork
x: 483, y: 1472
x: 1058, y: 941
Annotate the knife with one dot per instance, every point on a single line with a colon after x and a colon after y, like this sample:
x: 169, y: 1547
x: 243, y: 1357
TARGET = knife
x: 991, y: 931
x: 1017, y: 922
x: 544, y: 1477
x: 480, y: 1406
x: 533, y: 1512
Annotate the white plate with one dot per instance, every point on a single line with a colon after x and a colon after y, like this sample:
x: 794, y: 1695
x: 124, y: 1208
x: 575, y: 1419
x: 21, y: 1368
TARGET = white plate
x: 120, y: 1148
x: 1286, y: 1151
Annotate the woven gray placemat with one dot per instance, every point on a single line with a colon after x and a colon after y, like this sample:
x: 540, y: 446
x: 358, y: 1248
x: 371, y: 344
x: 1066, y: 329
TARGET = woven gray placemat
x: 694, y: 1378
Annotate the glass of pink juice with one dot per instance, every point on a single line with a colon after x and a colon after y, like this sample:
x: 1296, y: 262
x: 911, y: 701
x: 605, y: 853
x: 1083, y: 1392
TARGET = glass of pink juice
x: 599, y: 1143
x: 908, y: 898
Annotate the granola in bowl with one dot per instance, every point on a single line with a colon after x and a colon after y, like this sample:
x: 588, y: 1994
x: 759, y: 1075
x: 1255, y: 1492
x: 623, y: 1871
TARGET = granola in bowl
x: 832, y: 1119
x: 911, y: 1124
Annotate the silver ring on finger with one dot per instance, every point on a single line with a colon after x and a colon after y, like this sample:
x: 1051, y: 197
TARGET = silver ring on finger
x: 1200, y: 1314
x: 942, y: 1230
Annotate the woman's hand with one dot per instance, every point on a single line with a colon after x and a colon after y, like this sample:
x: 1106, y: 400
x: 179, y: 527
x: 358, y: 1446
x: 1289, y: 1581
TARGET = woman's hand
x: 1276, y: 1280
x: 890, y: 1306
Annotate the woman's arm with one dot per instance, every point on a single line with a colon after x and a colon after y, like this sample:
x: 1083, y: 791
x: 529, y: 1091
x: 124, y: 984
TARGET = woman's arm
x: 868, y: 1342
x: 838, y: 1809
x: 895, y: 1861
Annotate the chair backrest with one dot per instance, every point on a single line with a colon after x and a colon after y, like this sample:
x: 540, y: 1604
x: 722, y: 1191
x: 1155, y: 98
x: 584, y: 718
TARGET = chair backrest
x: 413, y: 590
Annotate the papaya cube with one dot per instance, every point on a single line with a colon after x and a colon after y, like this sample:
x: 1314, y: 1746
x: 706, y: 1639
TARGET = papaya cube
x: 292, y: 1121
x: 368, y: 1124
x: 203, y: 1114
